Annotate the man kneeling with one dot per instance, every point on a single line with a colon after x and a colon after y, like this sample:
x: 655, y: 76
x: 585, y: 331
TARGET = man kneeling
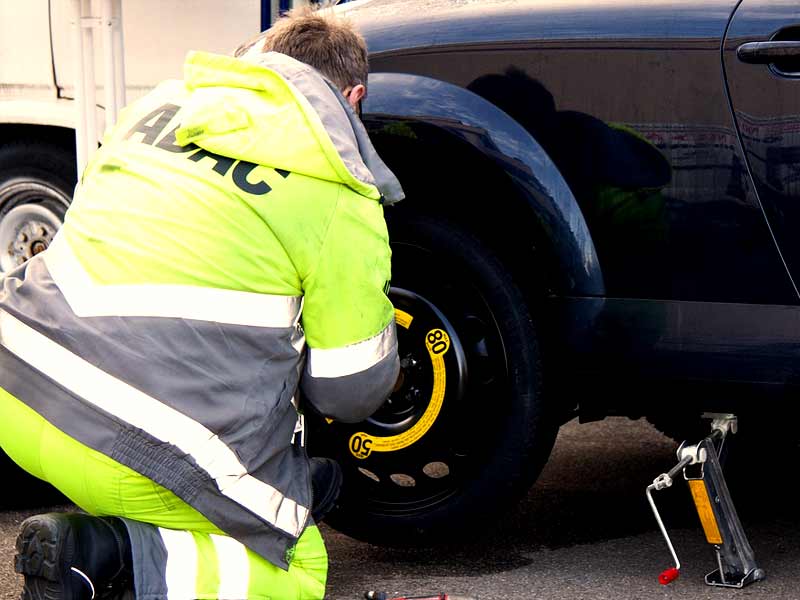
x: 226, y: 248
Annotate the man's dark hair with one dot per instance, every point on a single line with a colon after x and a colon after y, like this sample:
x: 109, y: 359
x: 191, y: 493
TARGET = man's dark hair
x: 318, y: 38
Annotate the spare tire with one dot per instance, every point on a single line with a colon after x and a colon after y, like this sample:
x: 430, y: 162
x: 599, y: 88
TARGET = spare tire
x: 466, y: 430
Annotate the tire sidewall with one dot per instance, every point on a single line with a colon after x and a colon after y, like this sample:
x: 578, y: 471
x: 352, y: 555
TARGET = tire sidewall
x: 50, y: 168
x: 39, y: 161
x: 524, y: 433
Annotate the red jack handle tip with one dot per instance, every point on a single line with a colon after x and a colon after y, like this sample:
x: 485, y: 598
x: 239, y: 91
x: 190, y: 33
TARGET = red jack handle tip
x: 668, y: 576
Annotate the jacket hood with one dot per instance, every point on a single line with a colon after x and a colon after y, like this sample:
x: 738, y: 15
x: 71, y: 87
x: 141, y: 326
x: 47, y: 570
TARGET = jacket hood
x: 272, y: 110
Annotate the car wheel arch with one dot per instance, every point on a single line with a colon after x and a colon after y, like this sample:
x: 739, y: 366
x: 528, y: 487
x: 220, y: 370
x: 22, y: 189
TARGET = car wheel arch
x: 445, y: 141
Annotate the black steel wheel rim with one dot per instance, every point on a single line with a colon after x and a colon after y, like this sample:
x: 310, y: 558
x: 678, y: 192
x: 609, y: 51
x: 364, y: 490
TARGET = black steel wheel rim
x: 413, y: 478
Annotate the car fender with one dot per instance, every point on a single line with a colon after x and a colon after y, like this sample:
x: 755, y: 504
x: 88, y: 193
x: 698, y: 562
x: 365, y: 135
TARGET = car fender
x: 476, y: 121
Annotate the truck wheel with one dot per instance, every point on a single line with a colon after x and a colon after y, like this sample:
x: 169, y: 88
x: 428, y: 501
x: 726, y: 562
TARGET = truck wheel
x: 36, y: 183
x: 465, y: 432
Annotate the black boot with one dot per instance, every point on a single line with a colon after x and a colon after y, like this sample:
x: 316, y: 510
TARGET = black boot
x: 326, y: 483
x: 71, y: 556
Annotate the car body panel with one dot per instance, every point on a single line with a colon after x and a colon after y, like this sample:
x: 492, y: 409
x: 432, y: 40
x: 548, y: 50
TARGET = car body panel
x: 766, y: 103
x: 506, y: 143
x: 622, y: 356
x: 659, y: 176
x: 629, y: 101
x: 390, y: 25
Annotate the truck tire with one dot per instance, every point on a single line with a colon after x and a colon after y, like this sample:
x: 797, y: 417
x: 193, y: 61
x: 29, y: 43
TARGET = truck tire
x: 36, y: 183
x: 466, y: 431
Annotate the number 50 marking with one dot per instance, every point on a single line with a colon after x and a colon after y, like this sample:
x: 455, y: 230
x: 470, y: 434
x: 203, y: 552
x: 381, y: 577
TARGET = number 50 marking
x: 360, y: 445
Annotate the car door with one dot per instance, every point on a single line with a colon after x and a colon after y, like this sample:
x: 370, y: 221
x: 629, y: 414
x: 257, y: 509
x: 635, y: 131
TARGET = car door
x: 762, y: 63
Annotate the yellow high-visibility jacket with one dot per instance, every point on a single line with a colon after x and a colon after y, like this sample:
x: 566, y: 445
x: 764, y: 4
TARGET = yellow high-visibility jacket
x: 230, y: 221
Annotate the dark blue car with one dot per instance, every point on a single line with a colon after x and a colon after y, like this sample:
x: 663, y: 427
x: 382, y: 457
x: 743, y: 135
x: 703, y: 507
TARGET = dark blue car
x: 602, y: 218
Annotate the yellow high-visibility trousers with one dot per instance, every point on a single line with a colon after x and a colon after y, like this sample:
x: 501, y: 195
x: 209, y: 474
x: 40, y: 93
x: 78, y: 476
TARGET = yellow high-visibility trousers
x: 202, y: 562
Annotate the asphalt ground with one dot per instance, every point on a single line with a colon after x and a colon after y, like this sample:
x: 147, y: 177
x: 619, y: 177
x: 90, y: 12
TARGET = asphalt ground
x: 585, y: 530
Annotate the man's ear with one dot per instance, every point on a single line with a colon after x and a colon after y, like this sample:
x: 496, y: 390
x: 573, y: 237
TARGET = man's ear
x: 355, y: 94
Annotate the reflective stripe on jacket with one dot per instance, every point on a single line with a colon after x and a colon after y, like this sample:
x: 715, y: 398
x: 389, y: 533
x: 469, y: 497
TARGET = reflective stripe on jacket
x: 229, y: 221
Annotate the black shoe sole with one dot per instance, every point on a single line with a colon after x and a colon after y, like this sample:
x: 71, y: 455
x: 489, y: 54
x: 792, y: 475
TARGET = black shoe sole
x: 323, y: 506
x: 44, y: 545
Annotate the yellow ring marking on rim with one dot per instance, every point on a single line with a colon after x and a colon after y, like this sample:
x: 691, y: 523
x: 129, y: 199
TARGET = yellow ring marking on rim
x: 361, y: 445
x: 402, y: 318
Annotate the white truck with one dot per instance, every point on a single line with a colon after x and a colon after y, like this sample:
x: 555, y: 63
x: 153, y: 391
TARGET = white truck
x: 43, y: 55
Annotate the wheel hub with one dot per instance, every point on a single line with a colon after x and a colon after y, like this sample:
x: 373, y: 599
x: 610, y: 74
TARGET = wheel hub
x: 407, y: 400
x: 25, y: 231
x: 30, y: 215
x: 33, y: 237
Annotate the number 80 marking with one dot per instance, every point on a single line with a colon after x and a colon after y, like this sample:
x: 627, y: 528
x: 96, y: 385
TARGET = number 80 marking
x: 437, y: 341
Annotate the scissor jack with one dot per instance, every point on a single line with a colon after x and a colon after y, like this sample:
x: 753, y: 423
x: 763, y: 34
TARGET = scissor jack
x: 700, y: 463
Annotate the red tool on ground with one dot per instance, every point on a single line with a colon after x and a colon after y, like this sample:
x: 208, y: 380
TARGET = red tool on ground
x: 385, y: 596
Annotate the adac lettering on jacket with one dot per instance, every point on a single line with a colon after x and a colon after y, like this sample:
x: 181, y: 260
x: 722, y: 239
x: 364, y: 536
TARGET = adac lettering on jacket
x: 153, y: 125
